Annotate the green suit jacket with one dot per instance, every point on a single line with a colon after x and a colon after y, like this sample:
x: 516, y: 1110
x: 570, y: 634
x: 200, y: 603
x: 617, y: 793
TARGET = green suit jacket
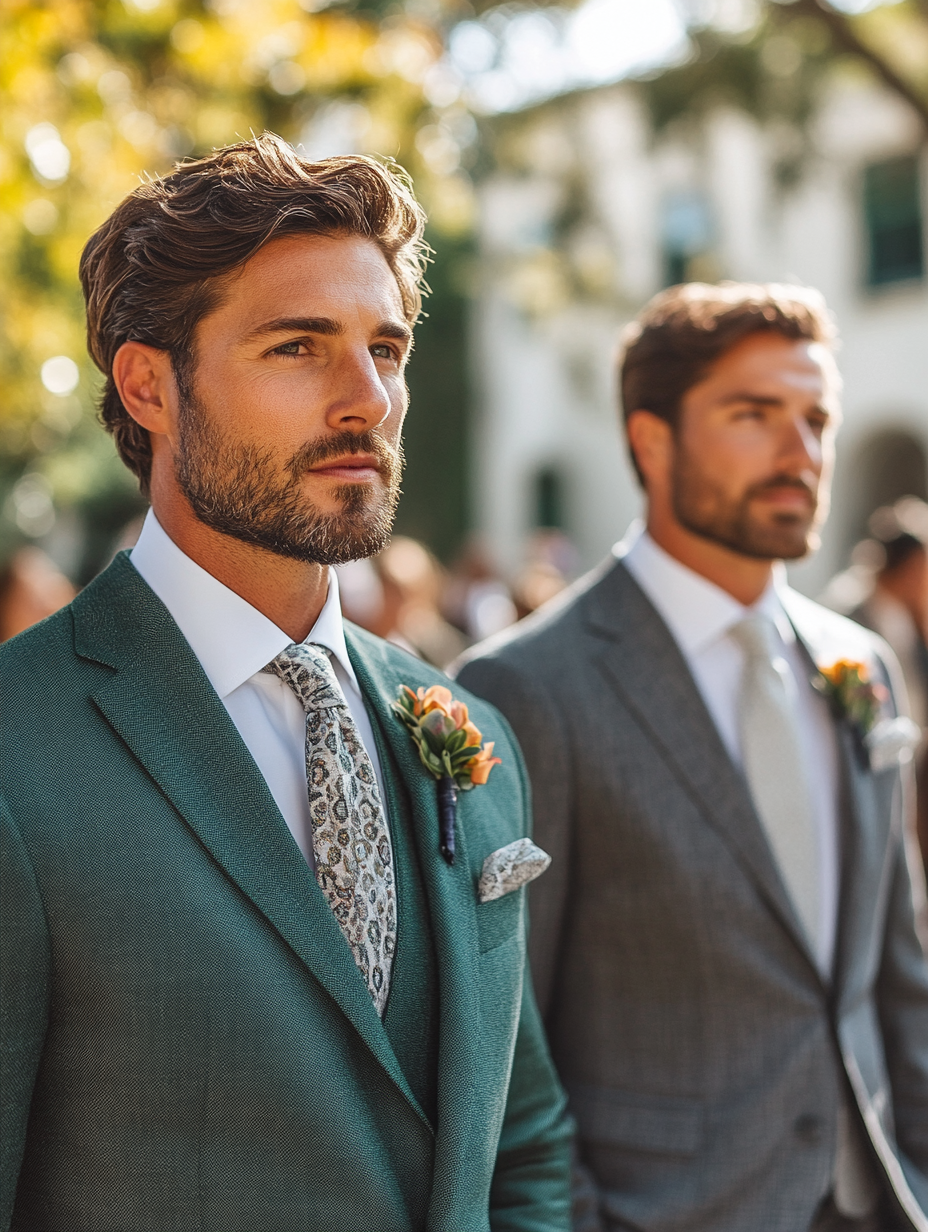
x: 186, y: 1041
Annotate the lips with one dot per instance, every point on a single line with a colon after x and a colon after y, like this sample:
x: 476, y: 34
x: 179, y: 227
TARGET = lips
x: 358, y: 467
x: 785, y: 493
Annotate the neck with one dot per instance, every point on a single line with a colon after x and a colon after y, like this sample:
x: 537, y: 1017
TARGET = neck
x: 745, y: 578
x: 291, y: 593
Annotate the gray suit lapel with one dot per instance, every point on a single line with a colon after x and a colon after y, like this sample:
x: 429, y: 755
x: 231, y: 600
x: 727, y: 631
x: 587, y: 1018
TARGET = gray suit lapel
x: 642, y: 662
x: 865, y: 819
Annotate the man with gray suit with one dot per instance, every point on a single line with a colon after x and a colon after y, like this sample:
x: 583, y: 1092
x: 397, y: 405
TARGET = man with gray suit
x: 726, y: 949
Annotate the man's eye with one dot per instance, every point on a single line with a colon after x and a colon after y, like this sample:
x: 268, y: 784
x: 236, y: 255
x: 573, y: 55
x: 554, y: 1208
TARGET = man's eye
x: 383, y: 351
x: 288, y: 348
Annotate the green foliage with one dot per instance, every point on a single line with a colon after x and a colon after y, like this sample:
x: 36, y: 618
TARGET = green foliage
x: 96, y: 94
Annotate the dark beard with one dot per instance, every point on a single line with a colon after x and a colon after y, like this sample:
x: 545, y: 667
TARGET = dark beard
x: 705, y: 511
x: 242, y: 492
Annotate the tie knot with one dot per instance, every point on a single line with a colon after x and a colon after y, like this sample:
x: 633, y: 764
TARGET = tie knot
x: 308, y: 672
x: 758, y: 635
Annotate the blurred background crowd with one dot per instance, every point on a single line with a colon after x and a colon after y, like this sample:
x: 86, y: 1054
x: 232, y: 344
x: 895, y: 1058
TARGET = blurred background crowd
x: 573, y: 158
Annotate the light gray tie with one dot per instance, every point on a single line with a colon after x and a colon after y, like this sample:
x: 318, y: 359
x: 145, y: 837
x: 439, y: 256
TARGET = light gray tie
x: 354, y: 860
x: 772, y: 760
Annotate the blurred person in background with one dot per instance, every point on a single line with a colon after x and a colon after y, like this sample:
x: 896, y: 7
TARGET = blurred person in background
x: 31, y: 588
x: 726, y: 950
x: 897, y: 605
x: 396, y: 595
x: 551, y: 560
x: 897, y: 609
x: 409, y: 570
x: 477, y: 600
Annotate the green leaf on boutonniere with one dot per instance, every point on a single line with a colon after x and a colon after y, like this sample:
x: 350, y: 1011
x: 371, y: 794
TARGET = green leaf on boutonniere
x: 853, y: 696
x: 448, y: 743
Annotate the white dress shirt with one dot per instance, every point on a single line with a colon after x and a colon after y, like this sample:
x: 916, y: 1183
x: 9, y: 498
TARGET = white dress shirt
x: 233, y: 642
x: 700, y: 615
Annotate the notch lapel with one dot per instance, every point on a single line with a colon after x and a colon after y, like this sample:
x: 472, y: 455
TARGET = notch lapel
x: 643, y: 663
x: 864, y: 832
x: 161, y: 704
x: 451, y: 894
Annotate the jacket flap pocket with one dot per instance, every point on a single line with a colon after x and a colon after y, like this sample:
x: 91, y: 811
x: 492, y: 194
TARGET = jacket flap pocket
x: 640, y: 1122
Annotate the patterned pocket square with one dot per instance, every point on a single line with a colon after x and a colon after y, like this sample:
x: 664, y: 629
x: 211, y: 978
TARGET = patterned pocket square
x: 892, y: 743
x: 510, y: 868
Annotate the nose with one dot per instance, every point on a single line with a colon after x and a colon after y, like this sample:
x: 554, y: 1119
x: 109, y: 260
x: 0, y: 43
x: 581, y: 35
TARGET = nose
x: 801, y: 449
x: 358, y: 399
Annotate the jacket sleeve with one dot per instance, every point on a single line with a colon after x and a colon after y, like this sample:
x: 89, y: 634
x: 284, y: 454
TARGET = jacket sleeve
x: 531, y: 1182
x: 903, y: 1007
x: 24, y: 977
x: 539, y: 729
x: 902, y: 989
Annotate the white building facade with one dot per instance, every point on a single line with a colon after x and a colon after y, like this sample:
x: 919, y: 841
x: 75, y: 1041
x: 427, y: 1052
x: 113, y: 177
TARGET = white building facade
x: 588, y: 213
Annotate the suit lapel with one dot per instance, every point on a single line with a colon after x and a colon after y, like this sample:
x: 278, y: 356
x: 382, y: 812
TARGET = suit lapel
x: 644, y: 665
x: 451, y: 896
x: 864, y: 845
x: 161, y: 704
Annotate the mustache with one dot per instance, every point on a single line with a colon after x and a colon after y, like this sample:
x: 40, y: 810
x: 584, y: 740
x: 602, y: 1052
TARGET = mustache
x: 325, y: 448
x: 781, y: 481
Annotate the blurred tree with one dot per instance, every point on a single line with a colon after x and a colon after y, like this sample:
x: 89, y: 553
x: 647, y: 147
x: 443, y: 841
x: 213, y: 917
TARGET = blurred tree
x: 93, y: 92
x: 774, y: 67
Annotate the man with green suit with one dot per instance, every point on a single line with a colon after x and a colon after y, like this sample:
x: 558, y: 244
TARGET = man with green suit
x: 244, y: 987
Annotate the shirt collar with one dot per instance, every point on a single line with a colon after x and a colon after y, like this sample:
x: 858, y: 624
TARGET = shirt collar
x: 231, y: 639
x: 695, y: 610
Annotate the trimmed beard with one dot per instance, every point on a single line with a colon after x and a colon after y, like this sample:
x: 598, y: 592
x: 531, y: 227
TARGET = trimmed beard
x: 242, y: 491
x: 706, y: 511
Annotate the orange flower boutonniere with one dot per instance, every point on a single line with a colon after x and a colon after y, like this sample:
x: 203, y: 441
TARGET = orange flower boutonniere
x: 853, y: 695
x: 450, y: 747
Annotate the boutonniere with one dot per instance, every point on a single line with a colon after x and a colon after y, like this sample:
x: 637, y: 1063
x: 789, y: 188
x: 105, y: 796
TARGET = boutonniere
x: 852, y: 694
x: 450, y: 747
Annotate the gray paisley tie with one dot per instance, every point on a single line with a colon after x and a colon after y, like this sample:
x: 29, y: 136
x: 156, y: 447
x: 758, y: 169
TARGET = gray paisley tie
x: 354, y: 860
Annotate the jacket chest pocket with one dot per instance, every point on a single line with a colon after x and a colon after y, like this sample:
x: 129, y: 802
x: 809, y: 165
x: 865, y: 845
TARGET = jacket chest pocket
x: 500, y: 920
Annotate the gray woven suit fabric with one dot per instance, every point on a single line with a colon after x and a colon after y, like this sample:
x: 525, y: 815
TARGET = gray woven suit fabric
x: 351, y: 845
x: 705, y: 1055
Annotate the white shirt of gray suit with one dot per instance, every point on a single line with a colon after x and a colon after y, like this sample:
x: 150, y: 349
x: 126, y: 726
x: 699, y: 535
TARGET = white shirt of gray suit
x: 700, y: 616
x: 233, y: 642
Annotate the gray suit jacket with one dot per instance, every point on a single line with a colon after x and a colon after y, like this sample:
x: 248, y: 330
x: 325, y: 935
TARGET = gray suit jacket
x: 704, y: 1055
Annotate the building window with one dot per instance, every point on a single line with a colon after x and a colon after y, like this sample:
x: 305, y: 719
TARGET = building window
x: 686, y: 236
x: 893, y: 213
x: 549, y: 499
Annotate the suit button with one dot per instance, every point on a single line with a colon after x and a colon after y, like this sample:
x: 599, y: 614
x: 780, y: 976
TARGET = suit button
x: 809, y: 1129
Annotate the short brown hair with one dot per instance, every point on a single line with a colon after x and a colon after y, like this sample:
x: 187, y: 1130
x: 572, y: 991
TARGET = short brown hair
x: 155, y: 268
x: 682, y: 331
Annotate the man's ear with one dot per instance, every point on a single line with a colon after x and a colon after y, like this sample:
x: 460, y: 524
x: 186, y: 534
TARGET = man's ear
x: 144, y: 378
x: 650, y: 439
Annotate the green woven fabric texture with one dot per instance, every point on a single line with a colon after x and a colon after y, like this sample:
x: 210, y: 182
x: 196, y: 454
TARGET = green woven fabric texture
x: 186, y: 1040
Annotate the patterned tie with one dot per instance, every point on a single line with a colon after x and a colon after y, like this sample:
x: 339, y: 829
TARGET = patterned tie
x: 354, y: 861
x: 773, y: 766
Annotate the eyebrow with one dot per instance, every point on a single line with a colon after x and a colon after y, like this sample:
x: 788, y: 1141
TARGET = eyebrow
x: 761, y: 400
x: 326, y: 326
x: 756, y: 399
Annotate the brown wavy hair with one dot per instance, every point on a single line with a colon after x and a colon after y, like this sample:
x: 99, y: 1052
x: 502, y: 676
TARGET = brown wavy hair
x: 682, y: 331
x: 157, y: 266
